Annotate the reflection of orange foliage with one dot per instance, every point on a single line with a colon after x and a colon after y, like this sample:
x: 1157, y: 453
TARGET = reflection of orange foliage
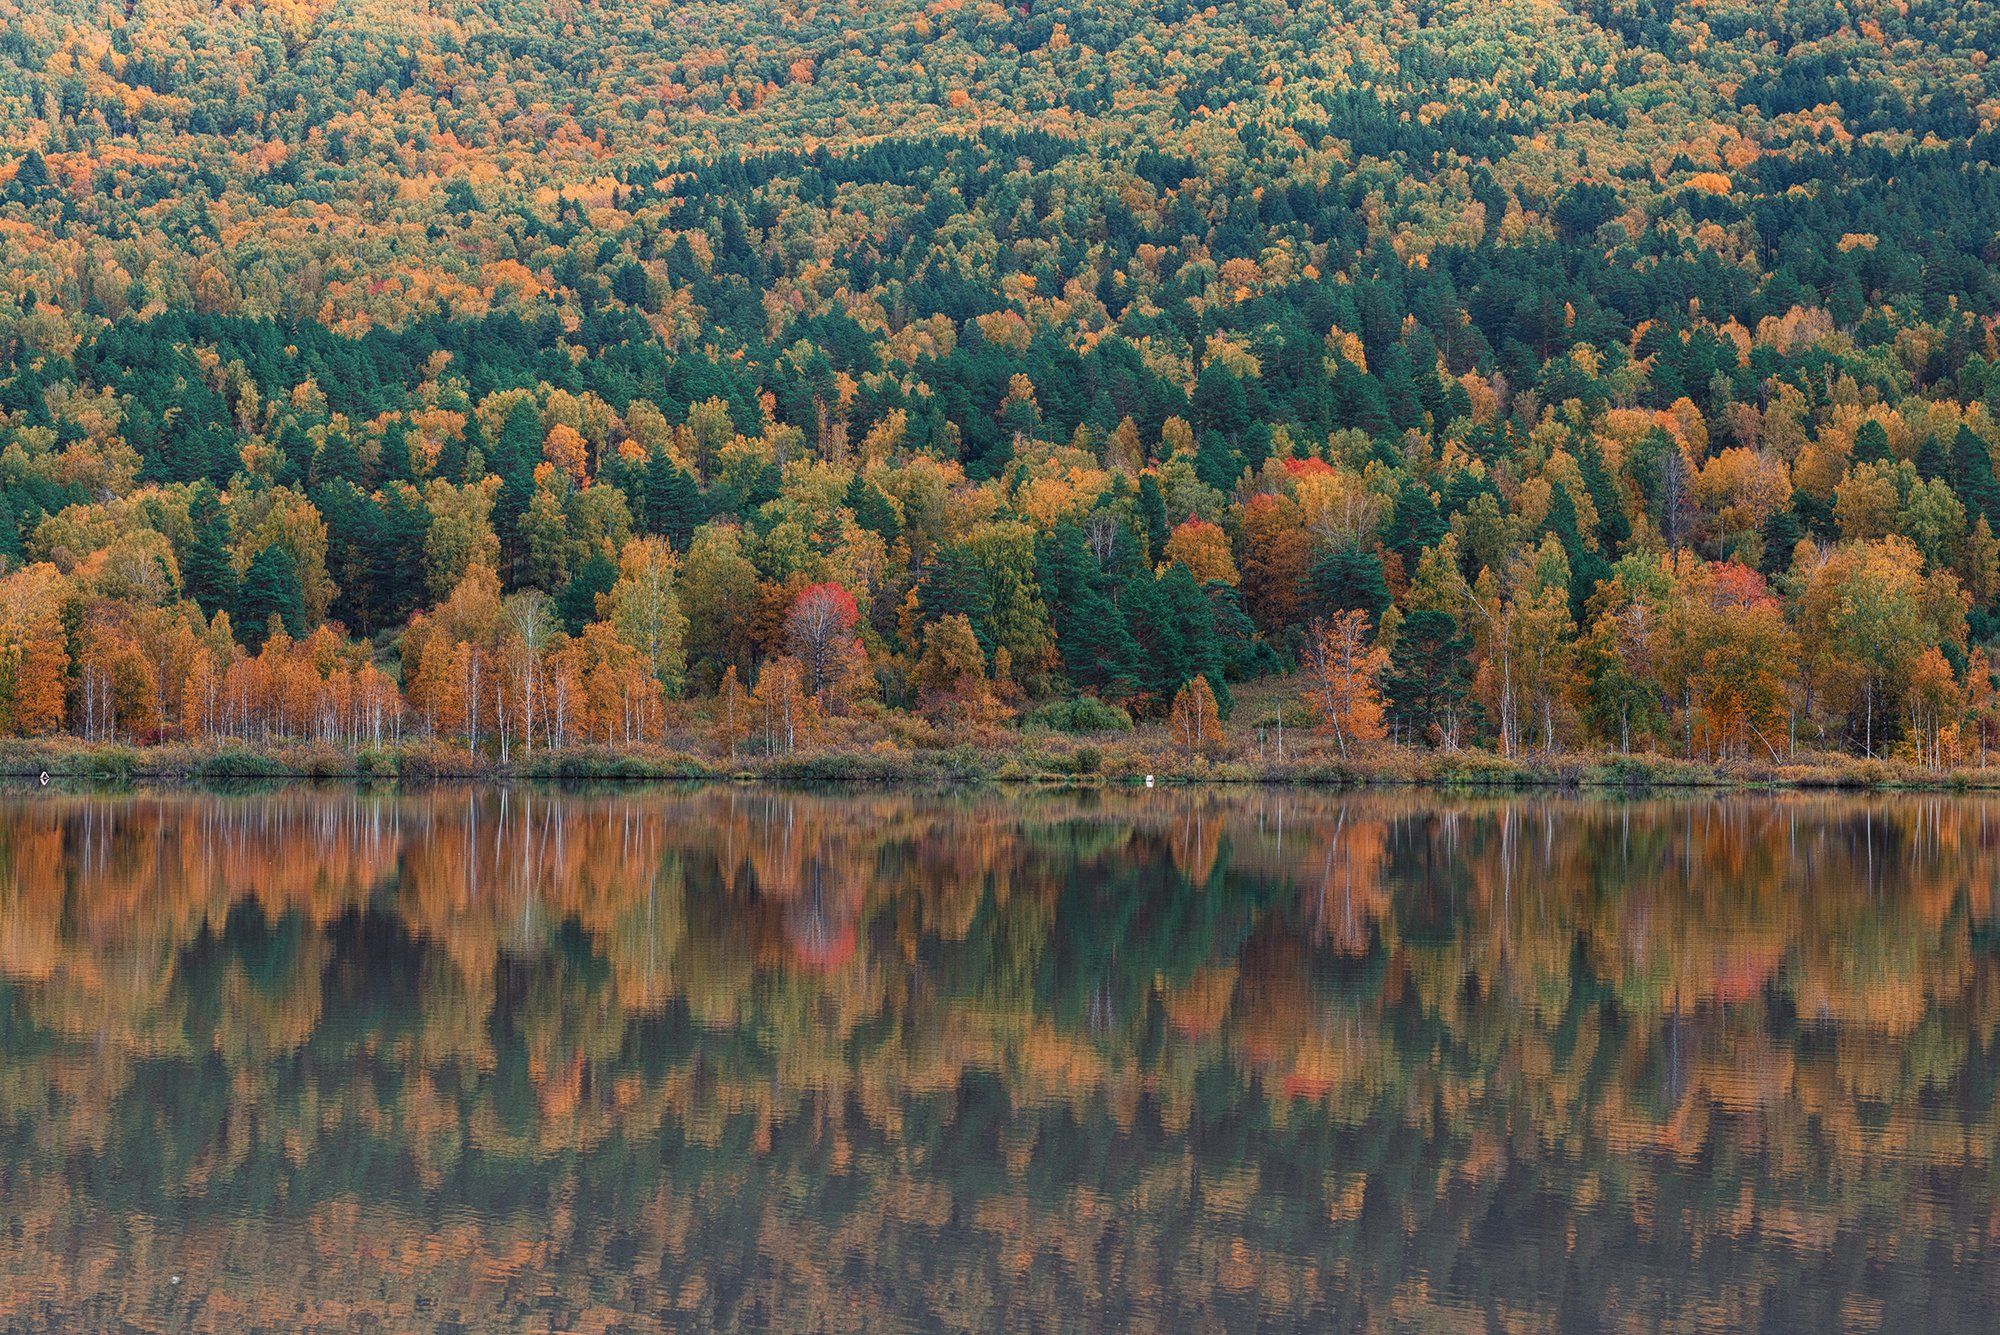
x: 1199, y: 1008
x: 1404, y: 957
x: 1350, y: 896
x: 1193, y: 841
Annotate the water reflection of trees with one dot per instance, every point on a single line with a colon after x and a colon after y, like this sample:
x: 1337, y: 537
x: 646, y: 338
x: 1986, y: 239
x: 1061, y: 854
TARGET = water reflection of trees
x: 729, y: 1055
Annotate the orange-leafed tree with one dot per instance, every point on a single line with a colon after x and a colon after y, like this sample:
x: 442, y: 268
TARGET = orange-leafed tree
x: 116, y: 696
x: 1204, y: 549
x: 1194, y: 720
x: 34, y: 660
x: 787, y: 709
x: 952, y: 686
x: 644, y: 608
x: 731, y: 723
x: 430, y: 678
x: 1276, y: 556
x: 1343, y: 668
x: 377, y: 708
x: 1933, y: 703
x: 201, y: 699
x: 566, y: 448
x: 565, y: 708
x: 1982, y: 706
x: 621, y: 696
x: 1722, y: 647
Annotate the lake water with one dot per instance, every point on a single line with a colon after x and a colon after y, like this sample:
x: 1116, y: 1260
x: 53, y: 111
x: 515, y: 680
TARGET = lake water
x: 726, y: 1057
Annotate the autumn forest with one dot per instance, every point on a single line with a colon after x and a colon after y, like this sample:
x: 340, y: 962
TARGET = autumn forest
x: 1264, y: 382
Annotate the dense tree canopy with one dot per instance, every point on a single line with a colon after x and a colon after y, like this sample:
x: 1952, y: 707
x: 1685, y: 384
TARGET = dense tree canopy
x: 1613, y: 350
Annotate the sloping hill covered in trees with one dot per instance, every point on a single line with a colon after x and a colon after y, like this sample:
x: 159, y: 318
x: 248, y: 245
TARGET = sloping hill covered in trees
x: 1539, y: 376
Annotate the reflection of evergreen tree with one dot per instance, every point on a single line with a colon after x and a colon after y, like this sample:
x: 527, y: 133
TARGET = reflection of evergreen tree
x: 1122, y: 929
x: 1499, y: 1084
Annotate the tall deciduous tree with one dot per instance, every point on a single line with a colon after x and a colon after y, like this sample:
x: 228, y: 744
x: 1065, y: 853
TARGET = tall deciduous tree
x: 1193, y: 720
x: 819, y: 631
x: 645, y: 609
x: 1343, y: 666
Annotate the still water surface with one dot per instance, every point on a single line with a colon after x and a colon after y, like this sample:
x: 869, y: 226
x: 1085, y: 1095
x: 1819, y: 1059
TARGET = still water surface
x: 744, y: 1058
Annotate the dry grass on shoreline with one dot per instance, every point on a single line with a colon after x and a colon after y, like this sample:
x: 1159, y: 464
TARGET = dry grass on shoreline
x: 1018, y: 758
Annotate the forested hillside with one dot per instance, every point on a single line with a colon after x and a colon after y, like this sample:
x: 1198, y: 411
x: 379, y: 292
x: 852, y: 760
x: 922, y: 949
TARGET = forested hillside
x: 1609, y: 374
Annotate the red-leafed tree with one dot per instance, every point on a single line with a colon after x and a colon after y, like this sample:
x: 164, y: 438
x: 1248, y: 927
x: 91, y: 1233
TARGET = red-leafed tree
x: 819, y: 632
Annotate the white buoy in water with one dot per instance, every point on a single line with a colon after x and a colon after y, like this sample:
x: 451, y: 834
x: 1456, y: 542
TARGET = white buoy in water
x: 1149, y: 781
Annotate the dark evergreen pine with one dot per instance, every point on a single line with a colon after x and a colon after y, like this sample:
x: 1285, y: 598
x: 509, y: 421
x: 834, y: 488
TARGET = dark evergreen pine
x: 31, y: 177
x: 1219, y: 405
x: 1613, y: 528
x: 1359, y: 402
x: 1586, y: 565
x: 673, y: 507
x: 1097, y: 649
x: 206, y: 570
x: 1664, y: 479
x: 515, y: 450
x: 1780, y: 534
x: 1430, y: 673
x: 270, y: 588
x: 1160, y: 655
x: 1972, y: 476
x: 1400, y: 398
x: 953, y: 584
x: 1244, y: 653
x: 1414, y: 524
x: 1871, y: 444
x: 457, y: 452
x: 1173, y: 626
x: 872, y: 509
x: 1933, y: 462
x: 351, y: 533
x: 1348, y: 579
x: 1216, y: 462
x: 1153, y: 510
x: 577, y: 603
x: 395, y: 557
x: 336, y: 459
x: 10, y: 528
